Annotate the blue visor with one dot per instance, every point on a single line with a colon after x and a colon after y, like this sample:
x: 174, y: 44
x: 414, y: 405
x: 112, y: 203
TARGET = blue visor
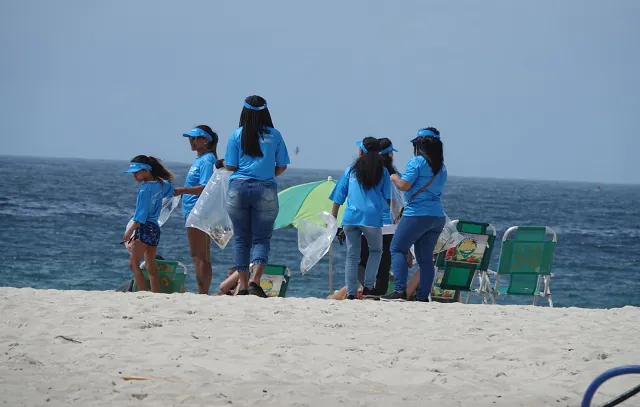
x: 362, y: 147
x: 135, y: 167
x: 388, y: 150
x: 196, y: 132
x: 425, y: 133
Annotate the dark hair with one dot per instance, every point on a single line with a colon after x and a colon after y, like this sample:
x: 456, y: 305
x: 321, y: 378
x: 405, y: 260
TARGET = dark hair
x: 431, y: 149
x: 387, y: 160
x: 213, y: 145
x: 157, y: 170
x: 254, y: 124
x: 369, y: 166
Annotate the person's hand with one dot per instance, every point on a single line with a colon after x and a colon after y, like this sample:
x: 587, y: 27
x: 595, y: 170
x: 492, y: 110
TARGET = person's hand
x: 340, y: 236
x: 128, y: 235
x: 178, y: 191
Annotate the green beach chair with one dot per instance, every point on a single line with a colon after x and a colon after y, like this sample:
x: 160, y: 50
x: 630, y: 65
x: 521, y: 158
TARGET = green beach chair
x: 526, y: 260
x: 275, y: 280
x: 458, y: 268
x: 171, y: 279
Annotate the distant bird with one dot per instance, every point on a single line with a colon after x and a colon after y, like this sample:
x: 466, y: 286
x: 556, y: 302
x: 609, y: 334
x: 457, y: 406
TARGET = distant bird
x: 297, y: 150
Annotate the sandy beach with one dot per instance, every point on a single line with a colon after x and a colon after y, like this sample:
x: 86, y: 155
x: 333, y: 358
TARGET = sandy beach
x: 74, y: 348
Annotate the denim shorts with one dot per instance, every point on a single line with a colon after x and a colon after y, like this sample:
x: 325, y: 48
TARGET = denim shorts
x: 148, y: 233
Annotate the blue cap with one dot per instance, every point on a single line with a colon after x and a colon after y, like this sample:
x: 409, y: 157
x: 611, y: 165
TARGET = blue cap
x: 388, y: 150
x: 362, y: 147
x: 248, y: 106
x: 135, y: 167
x: 425, y: 133
x: 196, y: 132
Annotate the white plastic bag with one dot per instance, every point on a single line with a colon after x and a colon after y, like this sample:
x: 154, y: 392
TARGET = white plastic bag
x: 168, y: 205
x: 209, y: 213
x: 314, y: 241
x: 449, y: 237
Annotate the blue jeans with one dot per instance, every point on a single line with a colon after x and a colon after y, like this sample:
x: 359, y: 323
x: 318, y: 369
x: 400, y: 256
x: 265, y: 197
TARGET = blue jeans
x: 422, y: 232
x: 353, y: 235
x: 252, y: 206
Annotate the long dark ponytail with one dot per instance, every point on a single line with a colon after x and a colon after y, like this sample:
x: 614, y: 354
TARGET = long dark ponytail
x: 431, y: 149
x: 369, y: 167
x: 387, y: 159
x: 212, y: 147
x: 254, y: 124
x: 157, y: 169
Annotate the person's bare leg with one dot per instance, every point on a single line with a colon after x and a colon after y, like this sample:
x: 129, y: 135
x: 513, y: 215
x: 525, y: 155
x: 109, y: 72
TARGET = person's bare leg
x: 341, y: 294
x: 243, y: 281
x: 137, y: 252
x: 200, y: 245
x: 230, y: 283
x: 412, y: 287
x: 152, y: 268
x: 257, y: 269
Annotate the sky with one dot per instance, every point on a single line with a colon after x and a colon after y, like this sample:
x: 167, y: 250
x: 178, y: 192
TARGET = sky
x: 542, y: 89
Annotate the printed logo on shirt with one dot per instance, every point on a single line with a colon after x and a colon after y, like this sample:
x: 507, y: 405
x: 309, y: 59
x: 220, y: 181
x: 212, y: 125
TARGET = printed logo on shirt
x: 193, y: 169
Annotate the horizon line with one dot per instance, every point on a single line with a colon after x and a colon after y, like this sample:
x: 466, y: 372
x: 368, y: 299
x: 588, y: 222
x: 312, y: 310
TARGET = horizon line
x: 337, y: 170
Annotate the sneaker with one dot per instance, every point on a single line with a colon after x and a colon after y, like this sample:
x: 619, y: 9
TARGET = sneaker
x: 369, y: 294
x: 351, y: 297
x: 255, y: 289
x: 394, y: 296
x: 243, y: 292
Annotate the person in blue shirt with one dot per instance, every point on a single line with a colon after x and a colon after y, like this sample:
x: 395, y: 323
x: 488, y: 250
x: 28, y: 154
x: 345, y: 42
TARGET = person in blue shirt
x: 366, y: 188
x: 204, y: 142
x: 256, y: 154
x: 145, y: 229
x: 423, y: 219
x: 388, y: 229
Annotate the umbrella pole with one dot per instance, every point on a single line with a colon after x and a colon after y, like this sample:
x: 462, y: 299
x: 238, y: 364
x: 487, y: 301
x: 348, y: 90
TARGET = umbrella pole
x: 331, y: 269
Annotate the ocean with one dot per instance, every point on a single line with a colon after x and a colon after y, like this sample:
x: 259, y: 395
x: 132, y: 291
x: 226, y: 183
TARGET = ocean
x: 61, y: 222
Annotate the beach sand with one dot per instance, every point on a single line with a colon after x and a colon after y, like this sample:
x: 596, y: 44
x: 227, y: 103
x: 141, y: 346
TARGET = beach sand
x: 74, y: 347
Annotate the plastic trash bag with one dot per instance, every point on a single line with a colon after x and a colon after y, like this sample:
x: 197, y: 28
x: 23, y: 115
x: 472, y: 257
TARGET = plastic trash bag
x: 168, y: 205
x: 209, y: 213
x: 449, y: 237
x: 314, y: 241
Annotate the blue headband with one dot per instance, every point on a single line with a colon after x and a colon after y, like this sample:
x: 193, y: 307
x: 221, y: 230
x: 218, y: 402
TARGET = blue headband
x: 427, y: 133
x: 196, y: 132
x: 388, y: 150
x: 248, y: 106
x: 362, y: 147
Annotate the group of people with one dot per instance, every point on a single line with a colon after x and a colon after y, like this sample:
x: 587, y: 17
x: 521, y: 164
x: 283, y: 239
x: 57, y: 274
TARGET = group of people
x: 256, y: 154
x: 378, y: 240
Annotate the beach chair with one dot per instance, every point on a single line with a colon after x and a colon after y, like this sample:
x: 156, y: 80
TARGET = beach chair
x: 525, y: 258
x: 171, y: 279
x: 275, y: 280
x: 609, y: 374
x: 458, y: 268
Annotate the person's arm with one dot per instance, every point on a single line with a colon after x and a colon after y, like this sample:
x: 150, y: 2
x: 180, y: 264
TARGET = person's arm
x: 143, y: 203
x: 232, y: 156
x: 401, y: 184
x: 280, y: 170
x: 335, y: 209
x: 410, y: 176
x: 282, y: 157
x: 197, y: 190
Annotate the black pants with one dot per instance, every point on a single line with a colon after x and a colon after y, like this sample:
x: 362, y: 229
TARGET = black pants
x: 382, y: 278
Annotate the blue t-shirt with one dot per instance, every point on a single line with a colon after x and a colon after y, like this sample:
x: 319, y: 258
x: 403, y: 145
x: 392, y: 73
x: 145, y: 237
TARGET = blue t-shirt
x: 274, y: 154
x: 426, y: 203
x: 365, y: 207
x: 199, y: 174
x: 149, y: 203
